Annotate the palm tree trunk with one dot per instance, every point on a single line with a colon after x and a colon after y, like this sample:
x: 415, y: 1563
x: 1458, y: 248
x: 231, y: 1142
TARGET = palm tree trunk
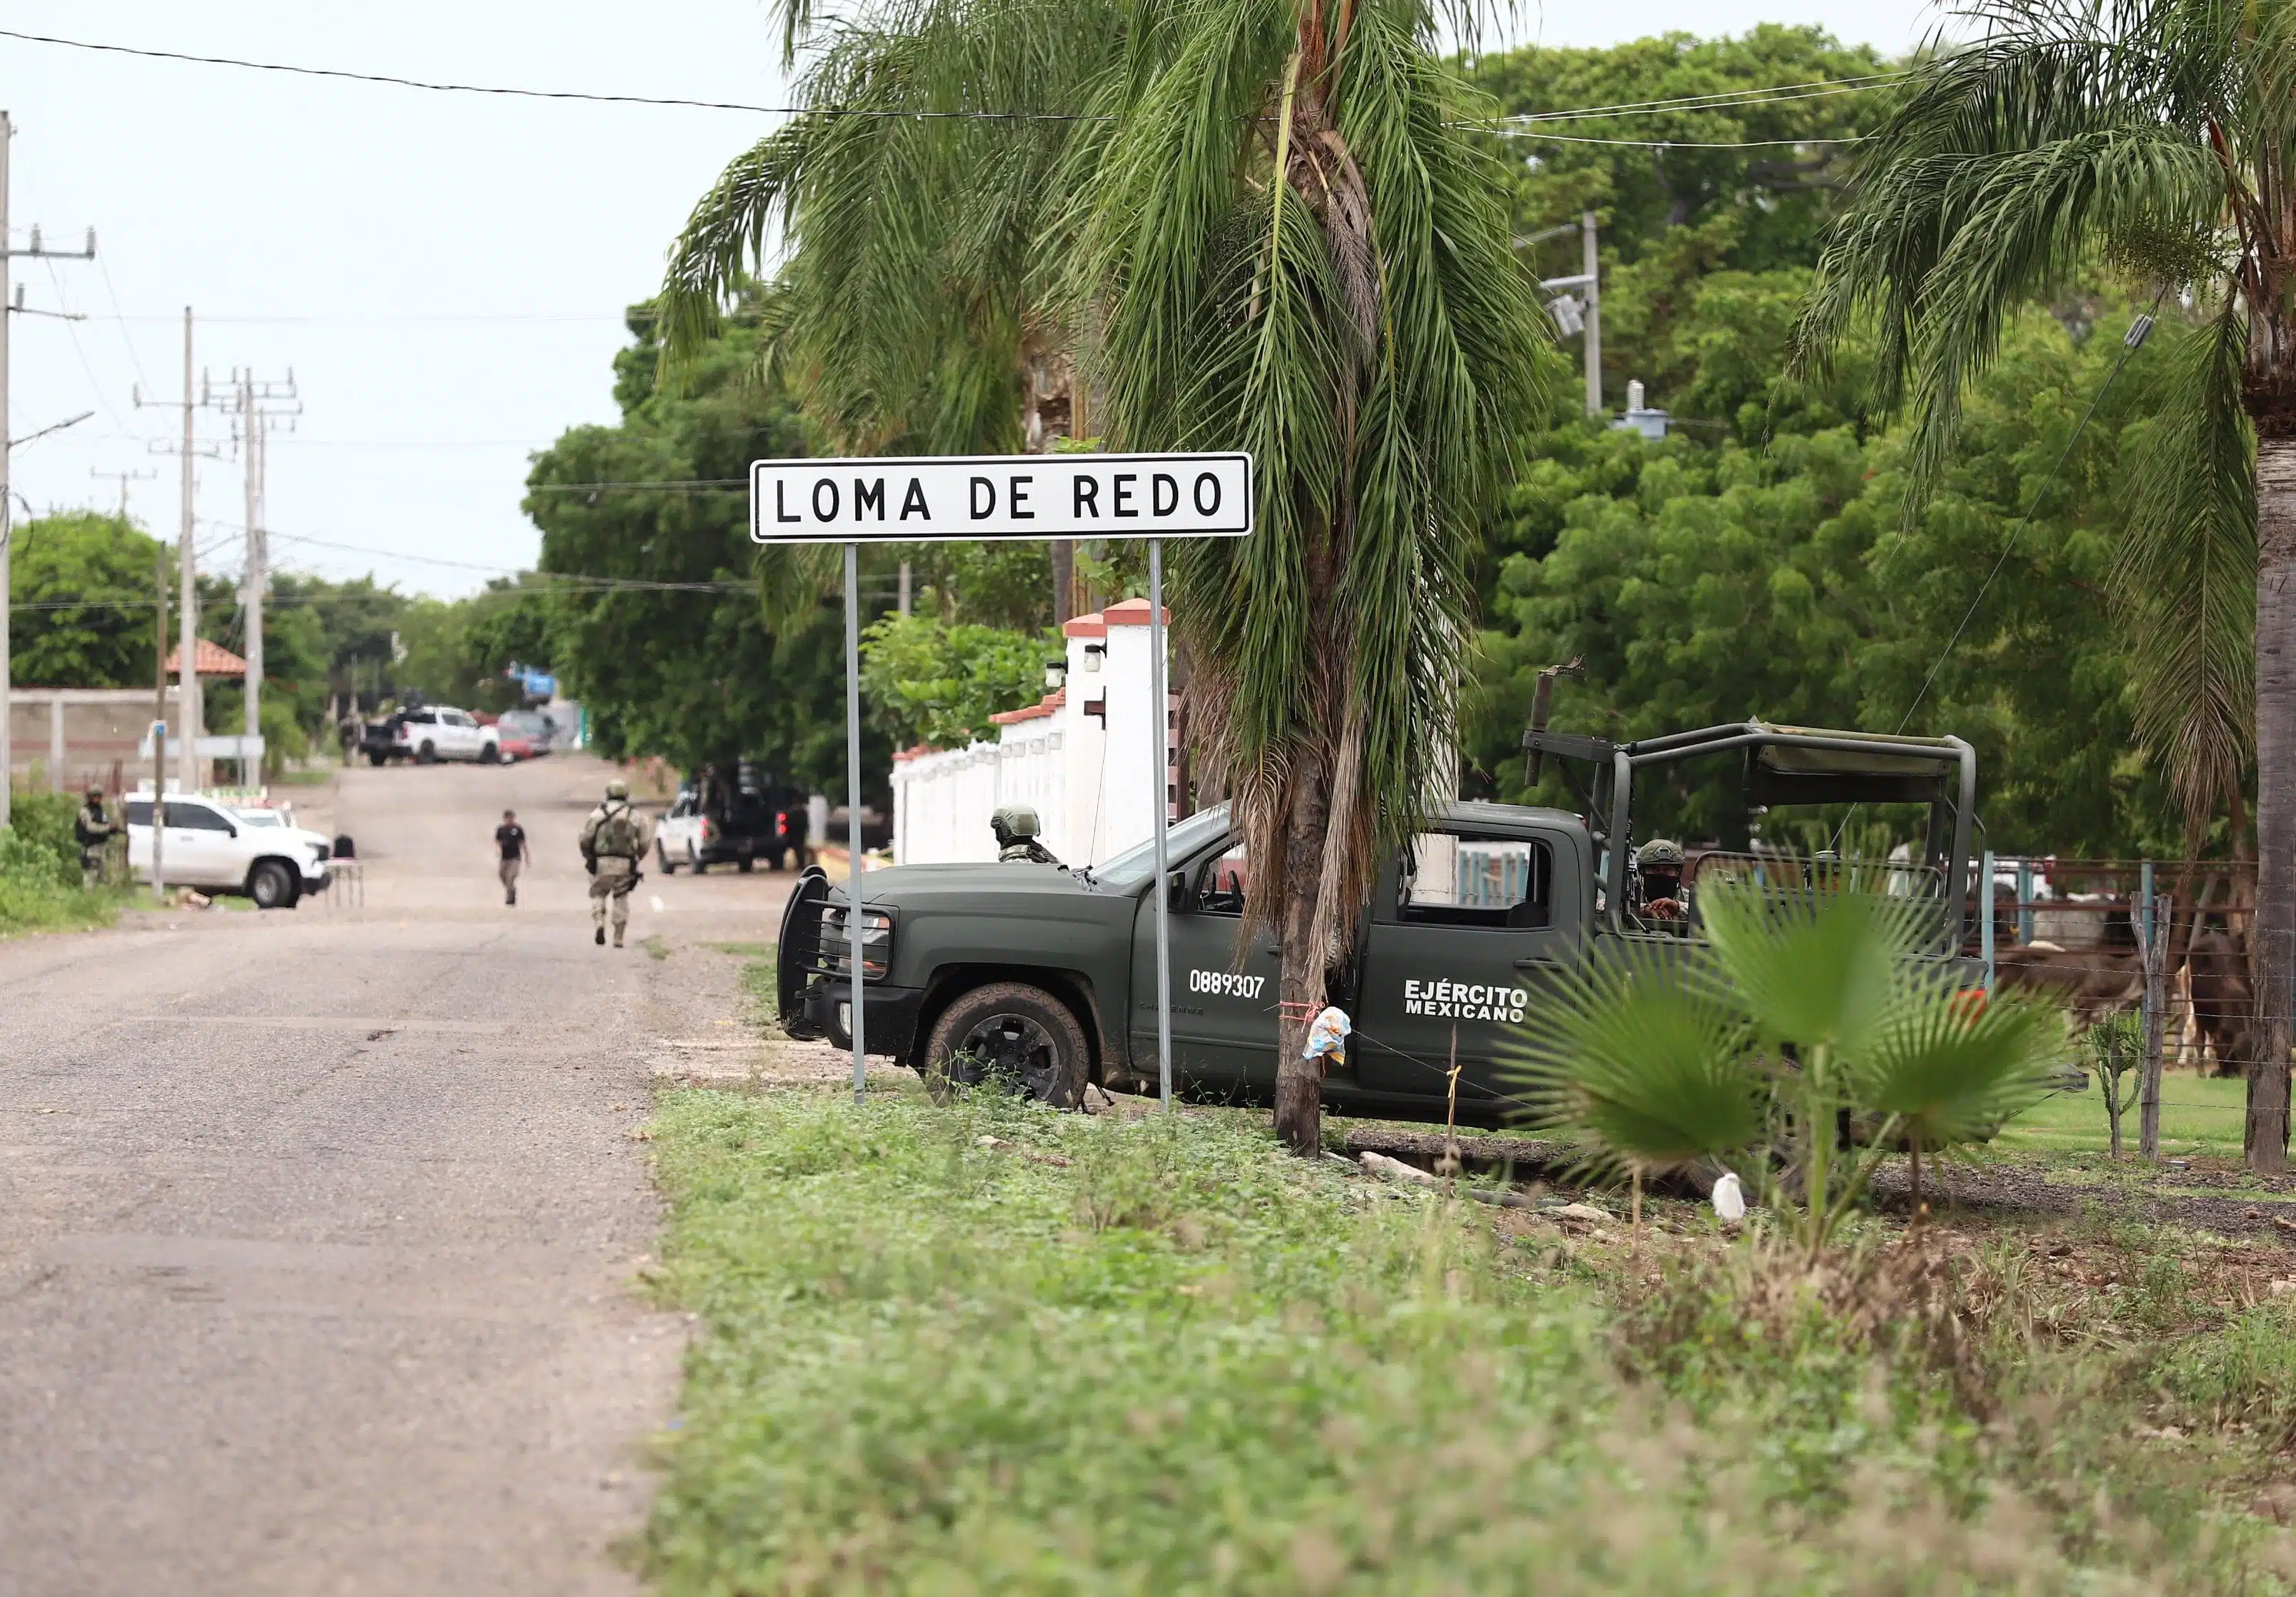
x: 1300, y: 1082
x: 2272, y: 947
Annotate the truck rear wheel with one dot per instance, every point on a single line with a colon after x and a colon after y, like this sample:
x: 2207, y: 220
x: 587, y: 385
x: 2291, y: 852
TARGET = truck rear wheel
x: 1013, y: 1030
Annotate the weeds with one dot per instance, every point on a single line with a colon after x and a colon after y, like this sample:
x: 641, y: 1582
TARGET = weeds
x: 987, y: 1347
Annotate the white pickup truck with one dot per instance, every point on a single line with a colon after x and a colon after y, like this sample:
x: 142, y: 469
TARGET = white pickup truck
x: 436, y: 732
x: 213, y: 848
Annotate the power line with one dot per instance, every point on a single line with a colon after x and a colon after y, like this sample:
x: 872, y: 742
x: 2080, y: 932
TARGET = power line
x: 523, y: 93
x: 1535, y: 136
x: 1720, y: 100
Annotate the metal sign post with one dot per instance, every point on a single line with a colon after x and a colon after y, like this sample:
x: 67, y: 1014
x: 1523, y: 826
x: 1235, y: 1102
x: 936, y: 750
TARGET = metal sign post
x: 853, y: 808
x: 1159, y: 710
x: 995, y: 497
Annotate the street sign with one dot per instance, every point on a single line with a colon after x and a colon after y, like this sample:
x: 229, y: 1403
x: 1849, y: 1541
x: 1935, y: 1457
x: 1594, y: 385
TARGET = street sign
x: 887, y: 500
x: 928, y: 499
x: 208, y: 746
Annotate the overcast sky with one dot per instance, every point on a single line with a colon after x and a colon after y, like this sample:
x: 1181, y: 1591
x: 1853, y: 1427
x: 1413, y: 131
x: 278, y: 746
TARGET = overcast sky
x: 445, y: 274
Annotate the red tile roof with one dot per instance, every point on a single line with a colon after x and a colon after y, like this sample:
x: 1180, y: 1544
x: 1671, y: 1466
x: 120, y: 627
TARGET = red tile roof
x: 1046, y: 707
x: 210, y: 658
x: 1132, y: 612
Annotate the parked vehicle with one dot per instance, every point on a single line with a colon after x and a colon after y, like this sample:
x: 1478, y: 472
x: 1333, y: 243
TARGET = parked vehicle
x: 1048, y: 974
x: 377, y: 739
x: 217, y: 849
x: 710, y: 823
x: 532, y: 727
x: 435, y: 732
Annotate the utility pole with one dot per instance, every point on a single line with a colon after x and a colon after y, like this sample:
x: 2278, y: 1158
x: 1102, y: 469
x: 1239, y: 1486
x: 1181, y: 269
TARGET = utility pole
x: 187, y: 675
x: 1578, y: 308
x: 123, y: 478
x: 8, y: 251
x: 1591, y: 267
x: 257, y: 405
x: 158, y: 714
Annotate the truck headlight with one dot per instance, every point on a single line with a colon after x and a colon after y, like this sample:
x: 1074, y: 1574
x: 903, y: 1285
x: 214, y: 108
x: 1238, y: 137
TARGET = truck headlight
x: 876, y: 945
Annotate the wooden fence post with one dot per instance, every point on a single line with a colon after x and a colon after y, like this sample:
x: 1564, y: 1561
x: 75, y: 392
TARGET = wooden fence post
x: 2152, y: 949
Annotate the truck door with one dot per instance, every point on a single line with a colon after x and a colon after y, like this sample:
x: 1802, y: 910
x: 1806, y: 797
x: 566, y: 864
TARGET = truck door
x: 1467, y: 927
x: 1222, y: 1006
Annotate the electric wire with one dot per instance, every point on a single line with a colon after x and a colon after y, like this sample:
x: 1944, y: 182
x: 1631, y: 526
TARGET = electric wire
x: 1717, y: 99
x: 394, y: 81
x: 1720, y: 100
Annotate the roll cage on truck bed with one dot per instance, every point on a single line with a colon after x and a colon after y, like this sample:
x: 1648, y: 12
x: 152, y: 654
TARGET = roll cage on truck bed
x: 1048, y: 974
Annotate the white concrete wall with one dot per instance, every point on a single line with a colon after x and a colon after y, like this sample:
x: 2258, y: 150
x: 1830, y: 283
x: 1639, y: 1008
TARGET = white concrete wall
x: 1090, y: 786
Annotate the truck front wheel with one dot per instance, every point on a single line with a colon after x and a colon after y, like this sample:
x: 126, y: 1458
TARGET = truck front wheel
x: 1011, y: 1030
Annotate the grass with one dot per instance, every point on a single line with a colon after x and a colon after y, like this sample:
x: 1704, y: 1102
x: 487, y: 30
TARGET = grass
x: 303, y: 776
x: 2200, y: 1115
x: 984, y: 1347
x: 655, y: 947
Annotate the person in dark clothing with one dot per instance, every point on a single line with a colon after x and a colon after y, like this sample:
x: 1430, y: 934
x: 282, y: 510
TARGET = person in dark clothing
x: 94, y: 832
x: 509, y: 838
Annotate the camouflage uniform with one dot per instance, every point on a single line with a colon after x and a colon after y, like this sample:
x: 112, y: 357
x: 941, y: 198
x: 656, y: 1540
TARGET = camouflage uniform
x: 614, y: 839
x: 93, y: 833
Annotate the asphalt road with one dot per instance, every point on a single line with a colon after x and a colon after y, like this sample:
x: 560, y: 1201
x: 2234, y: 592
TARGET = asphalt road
x: 319, y: 1228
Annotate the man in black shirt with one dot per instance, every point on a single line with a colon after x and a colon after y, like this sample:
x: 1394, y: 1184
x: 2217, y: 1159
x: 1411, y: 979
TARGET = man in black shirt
x: 510, y: 838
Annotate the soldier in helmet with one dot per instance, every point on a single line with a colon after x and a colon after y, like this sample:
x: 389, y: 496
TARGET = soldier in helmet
x: 614, y: 839
x: 1016, y: 827
x: 94, y: 832
x: 1659, y: 863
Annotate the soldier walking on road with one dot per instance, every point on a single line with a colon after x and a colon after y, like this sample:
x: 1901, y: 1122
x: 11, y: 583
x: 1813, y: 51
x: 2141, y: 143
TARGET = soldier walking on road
x: 614, y: 838
x: 510, y: 838
x: 94, y: 832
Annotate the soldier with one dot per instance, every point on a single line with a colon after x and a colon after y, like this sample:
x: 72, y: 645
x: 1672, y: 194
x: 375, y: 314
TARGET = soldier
x: 93, y: 833
x: 1659, y: 862
x: 614, y: 838
x: 1016, y: 827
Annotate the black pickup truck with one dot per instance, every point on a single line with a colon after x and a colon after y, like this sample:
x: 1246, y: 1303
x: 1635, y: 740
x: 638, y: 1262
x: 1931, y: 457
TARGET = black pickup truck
x: 1048, y: 974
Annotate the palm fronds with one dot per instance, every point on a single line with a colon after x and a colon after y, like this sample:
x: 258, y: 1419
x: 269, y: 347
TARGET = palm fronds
x: 1810, y: 1010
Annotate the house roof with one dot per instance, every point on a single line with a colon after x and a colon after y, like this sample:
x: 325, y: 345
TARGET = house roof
x: 208, y: 659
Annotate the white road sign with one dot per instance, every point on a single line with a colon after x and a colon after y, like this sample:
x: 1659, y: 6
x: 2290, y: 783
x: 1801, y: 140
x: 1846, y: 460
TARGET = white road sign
x: 889, y: 499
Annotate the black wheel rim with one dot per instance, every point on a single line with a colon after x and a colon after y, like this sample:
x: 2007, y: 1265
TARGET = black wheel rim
x: 1013, y: 1046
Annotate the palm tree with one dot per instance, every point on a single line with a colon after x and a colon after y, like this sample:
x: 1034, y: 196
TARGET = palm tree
x: 2157, y: 137
x: 1270, y: 227
x: 907, y: 311
x: 1803, y: 1012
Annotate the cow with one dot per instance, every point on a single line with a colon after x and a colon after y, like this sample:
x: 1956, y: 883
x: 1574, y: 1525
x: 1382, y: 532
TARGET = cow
x: 2224, y: 1003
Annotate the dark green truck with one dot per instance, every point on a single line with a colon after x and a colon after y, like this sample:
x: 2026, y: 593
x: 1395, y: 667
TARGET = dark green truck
x: 1048, y: 974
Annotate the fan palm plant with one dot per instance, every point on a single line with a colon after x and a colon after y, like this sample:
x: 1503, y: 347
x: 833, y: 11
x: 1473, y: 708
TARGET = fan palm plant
x: 2157, y: 137
x: 1804, y: 1012
x: 1269, y: 227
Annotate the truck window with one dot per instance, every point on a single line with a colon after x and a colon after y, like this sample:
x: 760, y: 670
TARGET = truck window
x: 1226, y: 882
x: 139, y: 812
x: 195, y: 817
x: 1462, y: 878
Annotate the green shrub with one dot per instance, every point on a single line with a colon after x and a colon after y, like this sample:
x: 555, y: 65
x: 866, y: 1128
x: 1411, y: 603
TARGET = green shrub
x: 43, y: 820
x: 39, y: 869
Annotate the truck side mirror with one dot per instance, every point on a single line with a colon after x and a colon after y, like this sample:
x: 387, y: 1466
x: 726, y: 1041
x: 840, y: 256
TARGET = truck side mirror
x: 1175, y: 890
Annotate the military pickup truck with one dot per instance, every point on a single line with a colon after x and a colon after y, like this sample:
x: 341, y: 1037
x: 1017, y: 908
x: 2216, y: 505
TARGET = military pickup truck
x: 1048, y: 974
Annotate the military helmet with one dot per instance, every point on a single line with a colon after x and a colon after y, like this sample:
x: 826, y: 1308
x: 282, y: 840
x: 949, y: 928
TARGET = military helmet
x: 1659, y: 854
x: 95, y: 793
x: 1017, y: 821
x: 618, y: 790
